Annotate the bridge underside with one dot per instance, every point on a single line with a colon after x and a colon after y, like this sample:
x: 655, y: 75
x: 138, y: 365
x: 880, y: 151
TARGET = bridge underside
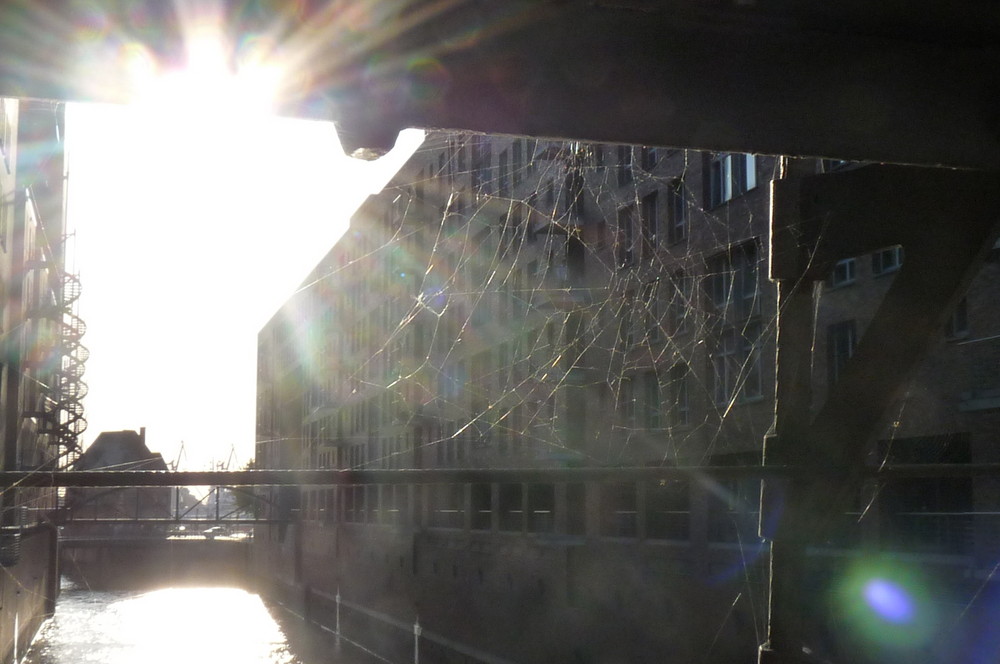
x: 860, y: 81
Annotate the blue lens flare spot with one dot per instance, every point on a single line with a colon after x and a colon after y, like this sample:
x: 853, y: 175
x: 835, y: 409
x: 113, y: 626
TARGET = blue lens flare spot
x: 890, y: 601
x: 884, y: 605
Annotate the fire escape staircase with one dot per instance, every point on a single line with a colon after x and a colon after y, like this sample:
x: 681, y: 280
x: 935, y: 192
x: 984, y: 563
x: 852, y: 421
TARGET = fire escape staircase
x: 62, y: 414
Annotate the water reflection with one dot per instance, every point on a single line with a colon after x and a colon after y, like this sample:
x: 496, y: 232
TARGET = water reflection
x: 190, y: 625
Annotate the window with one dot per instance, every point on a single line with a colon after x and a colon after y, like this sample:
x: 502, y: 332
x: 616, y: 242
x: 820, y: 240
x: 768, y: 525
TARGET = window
x: 650, y: 300
x: 511, y: 507
x: 476, y: 159
x: 503, y: 364
x: 731, y: 175
x: 619, y: 511
x: 927, y: 514
x: 418, y: 187
x: 504, y: 176
x: 541, y: 508
x: 651, y: 400
x: 668, y: 510
x: 841, y: 339
x: 957, y: 326
x: 736, y: 370
x: 680, y: 302
x: 733, y: 514
x: 751, y: 387
x: 4, y: 213
x: 625, y: 320
x: 843, y: 273
x: 725, y: 367
x: 451, y: 162
x: 887, y: 260
x: 745, y: 271
x: 650, y: 225
x: 573, y: 193
x: 597, y: 152
x: 486, y: 167
x: 718, y: 280
x: 831, y: 165
x: 624, y: 164
x: 482, y: 165
x: 679, y: 412
x: 676, y: 212
x: 731, y: 282
x: 518, y: 161
x: 626, y: 235
x: 626, y: 403
x: 647, y: 158
x: 6, y: 135
x: 576, y: 255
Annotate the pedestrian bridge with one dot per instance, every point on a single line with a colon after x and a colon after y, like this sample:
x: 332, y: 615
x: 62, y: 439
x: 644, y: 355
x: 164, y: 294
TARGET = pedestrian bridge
x: 144, y: 561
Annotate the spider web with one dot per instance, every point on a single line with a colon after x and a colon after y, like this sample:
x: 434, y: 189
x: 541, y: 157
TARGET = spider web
x: 518, y: 303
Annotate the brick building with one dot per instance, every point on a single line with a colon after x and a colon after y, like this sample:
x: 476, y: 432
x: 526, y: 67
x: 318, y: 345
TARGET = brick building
x: 41, y: 359
x: 512, y: 303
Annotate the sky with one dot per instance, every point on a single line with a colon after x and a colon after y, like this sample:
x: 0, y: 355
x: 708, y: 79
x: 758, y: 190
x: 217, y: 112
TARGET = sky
x: 192, y: 223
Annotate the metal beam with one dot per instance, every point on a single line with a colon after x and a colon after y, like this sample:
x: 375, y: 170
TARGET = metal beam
x: 852, y: 80
x: 84, y: 521
x: 947, y: 222
x: 147, y: 478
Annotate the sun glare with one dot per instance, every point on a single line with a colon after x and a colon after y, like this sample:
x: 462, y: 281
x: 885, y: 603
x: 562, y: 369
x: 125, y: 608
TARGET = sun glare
x: 202, y: 210
x: 211, y: 85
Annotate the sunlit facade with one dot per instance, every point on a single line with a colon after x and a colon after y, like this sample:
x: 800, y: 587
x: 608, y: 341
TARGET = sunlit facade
x: 513, y: 303
x: 41, y: 363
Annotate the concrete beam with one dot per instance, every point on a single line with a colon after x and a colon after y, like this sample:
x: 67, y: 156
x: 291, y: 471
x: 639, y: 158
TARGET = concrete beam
x: 851, y: 80
x: 304, y: 478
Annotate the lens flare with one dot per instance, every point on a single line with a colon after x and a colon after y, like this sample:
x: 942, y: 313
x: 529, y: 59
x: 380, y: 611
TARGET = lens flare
x: 890, y: 601
x: 886, y: 605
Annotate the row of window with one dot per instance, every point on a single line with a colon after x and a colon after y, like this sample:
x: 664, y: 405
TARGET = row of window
x: 729, y: 174
x: 649, y: 157
x: 652, y: 510
x: 6, y: 134
x: 919, y: 515
x: 662, y: 403
x: 731, y: 287
x: 884, y: 261
x: 641, y: 233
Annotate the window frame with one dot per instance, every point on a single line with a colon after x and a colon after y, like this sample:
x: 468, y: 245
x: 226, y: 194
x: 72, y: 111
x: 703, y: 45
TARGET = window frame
x: 650, y: 224
x: 625, y: 175
x: 837, y: 355
x: 677, y: 230
x: 679, y: 412
x: 730, y: 175
x: 626, y: 234
x: 888, y: 260
x: 652, y: 401
x: 849, y: 268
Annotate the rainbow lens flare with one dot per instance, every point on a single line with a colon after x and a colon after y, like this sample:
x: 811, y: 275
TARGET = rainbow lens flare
x: 889, y: 601
x: 885, y: 605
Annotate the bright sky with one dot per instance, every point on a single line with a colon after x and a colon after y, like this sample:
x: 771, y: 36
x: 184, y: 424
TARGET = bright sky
x: 192, y: 227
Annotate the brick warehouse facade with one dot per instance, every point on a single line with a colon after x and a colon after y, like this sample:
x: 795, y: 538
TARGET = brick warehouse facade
x: 41, y: 359
x: 513, y: 303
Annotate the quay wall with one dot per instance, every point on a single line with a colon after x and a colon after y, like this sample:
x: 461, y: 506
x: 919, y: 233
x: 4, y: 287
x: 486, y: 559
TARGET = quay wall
x: 28, y: 591
x: 494, y: 598
x: 498, y: 598
x: 113, y: 564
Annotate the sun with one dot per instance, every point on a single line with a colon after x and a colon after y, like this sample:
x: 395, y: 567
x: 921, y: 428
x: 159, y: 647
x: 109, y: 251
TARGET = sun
x: 212, y: 85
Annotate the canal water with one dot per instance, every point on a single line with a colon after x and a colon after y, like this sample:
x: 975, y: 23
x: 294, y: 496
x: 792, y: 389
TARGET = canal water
x: 190, y: 625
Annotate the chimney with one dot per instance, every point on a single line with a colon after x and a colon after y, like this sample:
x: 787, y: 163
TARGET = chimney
x: 142, y: 435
